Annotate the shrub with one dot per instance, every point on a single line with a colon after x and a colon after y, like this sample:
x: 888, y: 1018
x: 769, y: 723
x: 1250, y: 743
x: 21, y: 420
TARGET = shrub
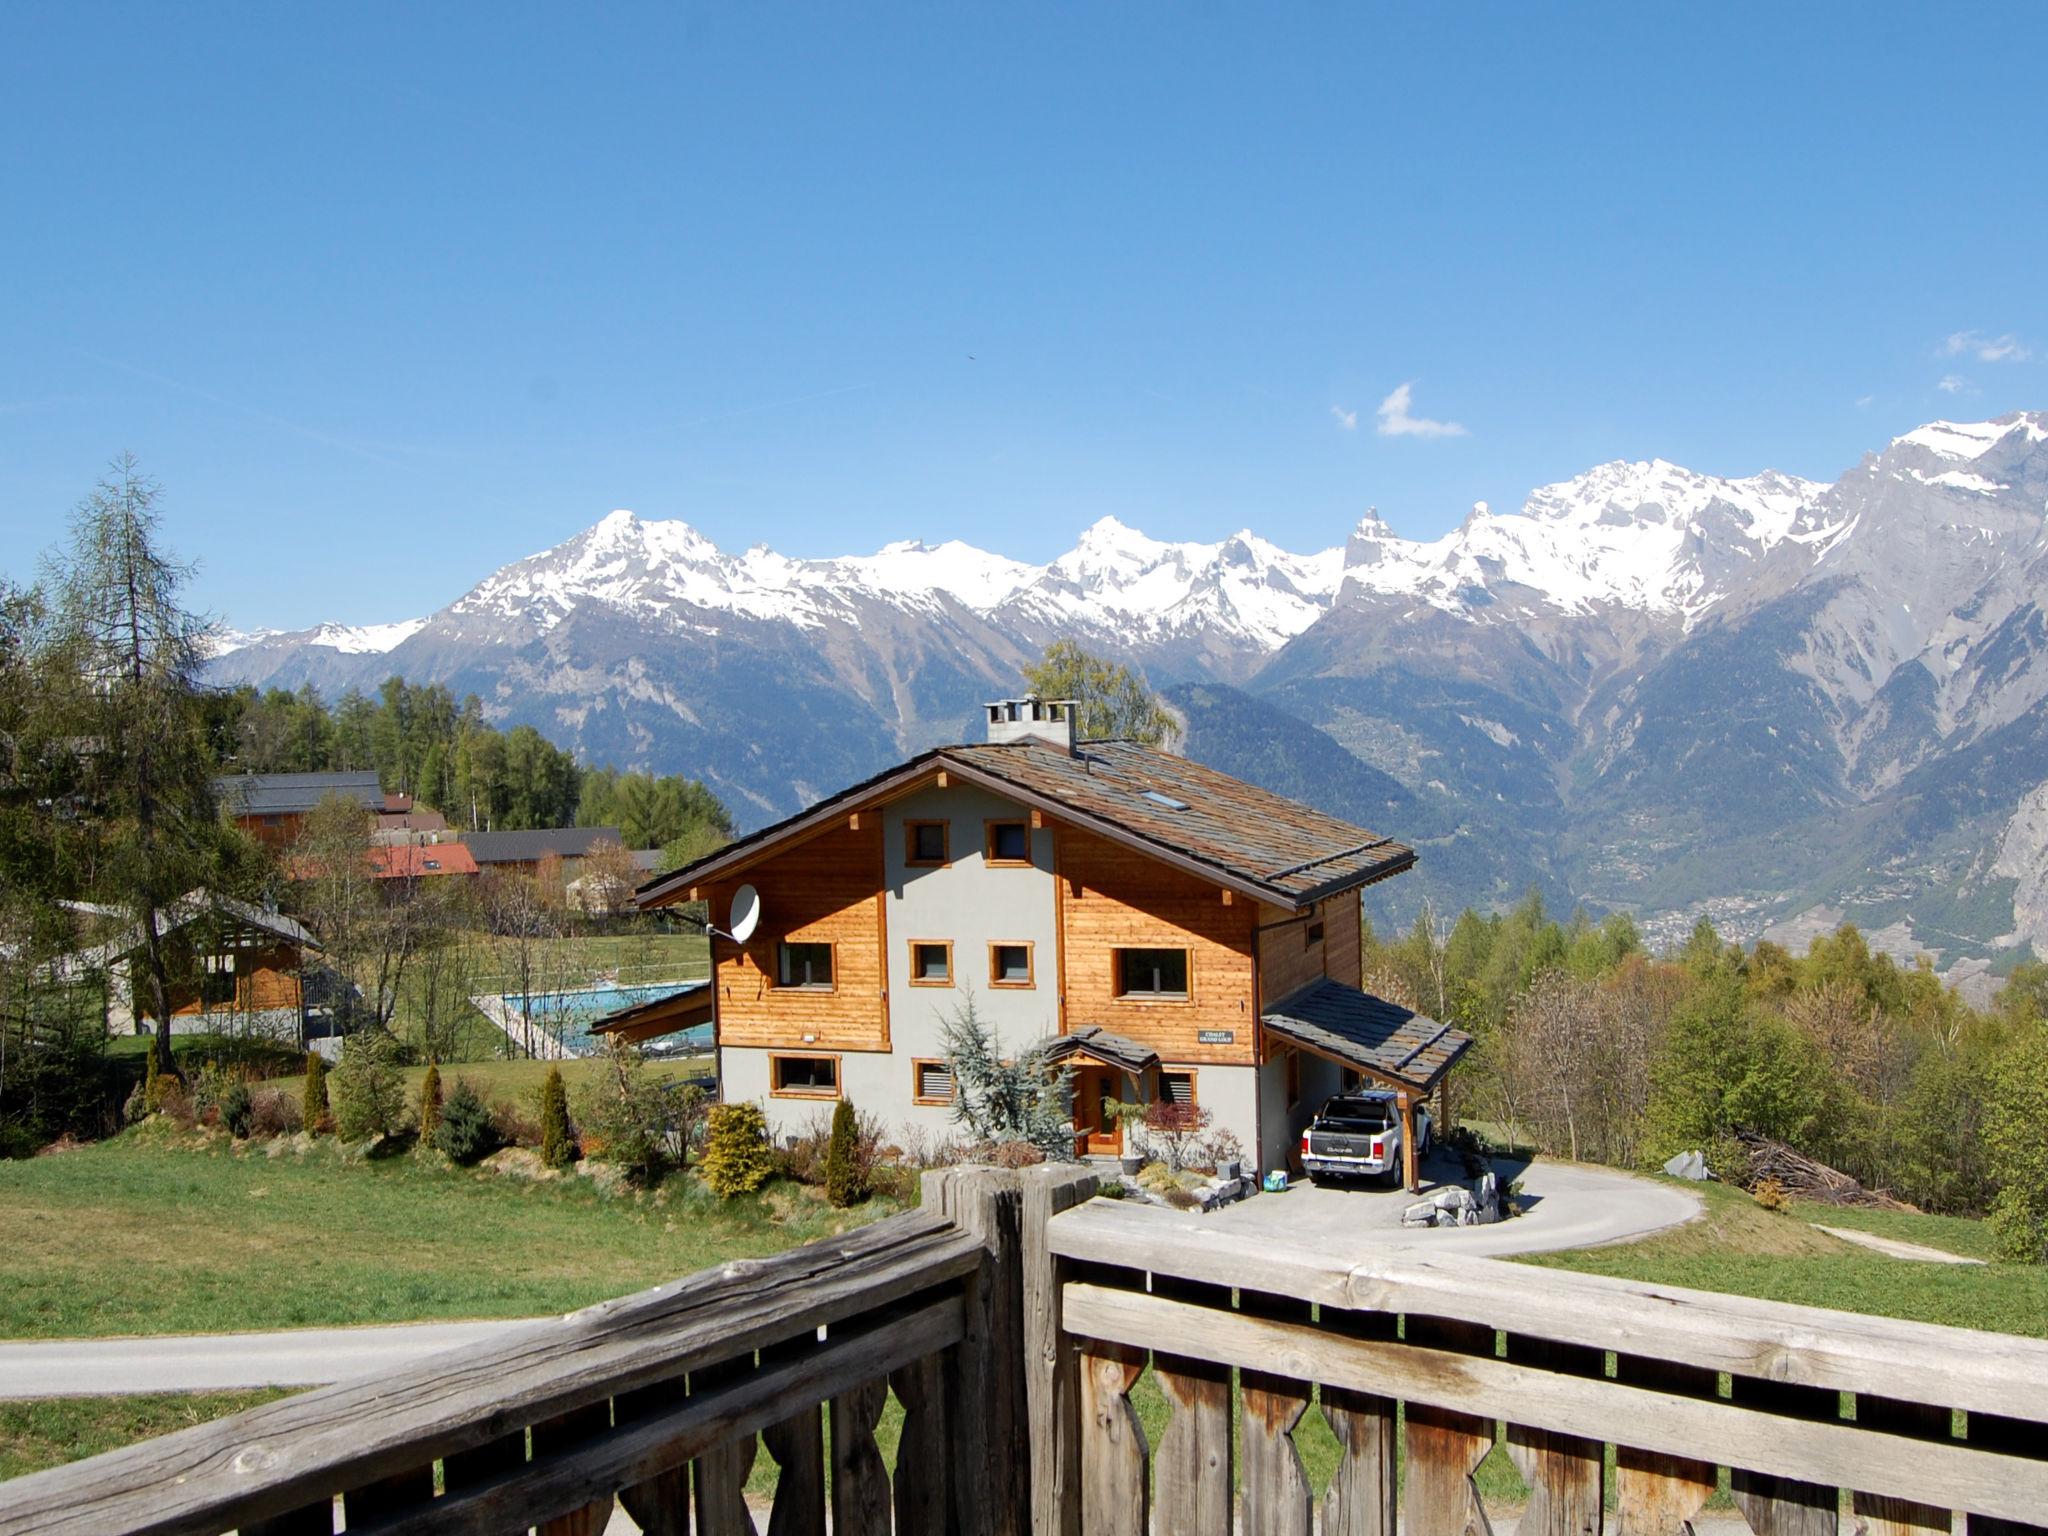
x: 1175, y: 1129
x: 636, y: 1120
x: 1021, y: 1096
x: 844, y: 1185
x: 429, y: 1112
x: 369, y: 1094
x: 556, y: 1149
x: 466, y: 1132
x: 237, y: 1110
x: 274, y: 1112
x: 514, y: 1126
x: 736, y: 1156
x: 313, y: 1107
x: 1770, y: 1194
x: 2016, y: 1109
x: 1016, y: 1154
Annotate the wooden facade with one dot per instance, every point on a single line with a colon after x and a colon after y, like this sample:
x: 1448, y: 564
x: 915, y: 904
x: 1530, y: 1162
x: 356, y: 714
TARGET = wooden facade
x: 264, y: 977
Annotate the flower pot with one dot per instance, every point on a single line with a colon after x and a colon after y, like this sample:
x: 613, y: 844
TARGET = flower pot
x: 1132, y: 1163
x: 1226, y: 1170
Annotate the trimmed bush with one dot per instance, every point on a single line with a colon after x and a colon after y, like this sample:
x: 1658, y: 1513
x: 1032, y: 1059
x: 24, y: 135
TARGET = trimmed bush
x: 314, y: 1112
x: 430, y: 1103
x: 843, y: 1183
x: 238, y: 1110
x: 369, y: 1094
x: 556, y: 1148
x: 737, y: 1160
x: 466, y: 1132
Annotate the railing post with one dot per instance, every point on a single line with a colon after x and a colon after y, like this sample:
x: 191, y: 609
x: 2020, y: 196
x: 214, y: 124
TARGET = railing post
x: 1052, y: 1363
x: 985, y: 1401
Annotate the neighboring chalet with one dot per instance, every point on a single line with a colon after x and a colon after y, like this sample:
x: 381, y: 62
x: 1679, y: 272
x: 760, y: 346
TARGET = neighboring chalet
x: 1185, y: 934
x: 272, y: 806
x: 237, y: 969
x: 520, y: 853
x: 422, y: 861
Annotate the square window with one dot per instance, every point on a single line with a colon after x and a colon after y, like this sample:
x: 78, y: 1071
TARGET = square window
x: 804, y: 965
x: 931, y: 964
x: 926, y: 843
x: 932, y: 1082
x: 1009, y: 965
x: 815, y: 1077
x: 1312, y: 935
x: 1009, y: 842
x: 1143, y: 973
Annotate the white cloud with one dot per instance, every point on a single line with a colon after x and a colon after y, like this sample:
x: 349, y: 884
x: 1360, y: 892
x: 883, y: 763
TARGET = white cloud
x: 1863, y: 402
x: 1987, y: 349
x: 1952, y: 384
x: 1396, y: 422
x: 1348, y: 420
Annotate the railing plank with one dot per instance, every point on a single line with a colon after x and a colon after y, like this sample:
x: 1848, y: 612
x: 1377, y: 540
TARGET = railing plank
x: 566, y: 1432
x: 1773, y: 1341
x: 1774, y: 1504
x: 1193, y: 1470
x: 1958, y: 1475
x: 660, y: 1505
x: 1363, y: 1496
x: 860, y: 1483
x: 922, y: 1484
x: 1566, y: 1474
x: 1881, y: 1516
x: 798, y: 1445
x: 289, y: 1454
x: 1654, y: 1494
x: 1445, y: 1445
x: 2011, y: 1437
x: 718, y: 1478
x: 1276, y: 1491
x: 1115, y: 1481
x: 1052, y: 1381
x: 987, y: 1400
x: 312, y: 1520
x: 389, y: 1496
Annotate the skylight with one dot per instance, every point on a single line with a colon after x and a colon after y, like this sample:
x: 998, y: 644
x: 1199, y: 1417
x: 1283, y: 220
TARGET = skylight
x: 1167, y: 801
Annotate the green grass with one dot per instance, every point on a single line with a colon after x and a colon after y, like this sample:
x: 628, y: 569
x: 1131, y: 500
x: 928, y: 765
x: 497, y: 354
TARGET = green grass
x: 48, y: 1432
x: 136, y: 1236
x: 1740, y: 1247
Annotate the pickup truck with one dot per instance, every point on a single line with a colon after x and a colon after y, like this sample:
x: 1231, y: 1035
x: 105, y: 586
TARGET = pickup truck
x: 1358, y: 1135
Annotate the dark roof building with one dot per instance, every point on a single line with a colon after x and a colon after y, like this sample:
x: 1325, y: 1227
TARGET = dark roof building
x: 294, y: 794
x: 491, y: 849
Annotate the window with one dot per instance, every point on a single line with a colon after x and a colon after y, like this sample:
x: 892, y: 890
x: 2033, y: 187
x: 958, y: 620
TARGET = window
x: 1009, y: 965
x: 805, y: 965
x: 1009, y: 842
x: 926, y: 843
x: 217, y: 987
x: 804, y: 1077
x: 1145, y: 973
x: 1311, y: 936
x: 931, y: 963
x: 931, y: 1082
x: 1177, y: 1088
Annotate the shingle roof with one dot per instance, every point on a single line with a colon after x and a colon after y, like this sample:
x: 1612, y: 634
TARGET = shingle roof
x: 1177, y: 810
x: 531, y: 847
x: 405, y: 861
x: 1369, y: 1032
x: 188, y: 908
x: 285, y: 794
x: 1113, y: 1049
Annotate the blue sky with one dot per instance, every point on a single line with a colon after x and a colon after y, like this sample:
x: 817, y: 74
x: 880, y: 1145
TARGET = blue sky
x: 388, y: 295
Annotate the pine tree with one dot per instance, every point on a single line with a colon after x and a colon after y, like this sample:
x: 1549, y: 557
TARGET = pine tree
x: 556, y: 1149
x: 313, y: 1101
x: 736, y: 1157
x: 430, y: 1103
x: 842, y: 1172
x: 1019, y: 1096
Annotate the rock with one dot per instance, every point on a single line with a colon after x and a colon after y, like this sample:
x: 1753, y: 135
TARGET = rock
x: 1688, y: 1165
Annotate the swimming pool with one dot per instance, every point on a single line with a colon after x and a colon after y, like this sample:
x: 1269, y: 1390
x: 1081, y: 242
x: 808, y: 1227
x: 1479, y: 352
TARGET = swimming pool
x: 568, y: 1014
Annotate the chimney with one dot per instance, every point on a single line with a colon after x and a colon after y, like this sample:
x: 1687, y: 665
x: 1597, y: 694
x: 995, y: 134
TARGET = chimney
x: 1022, y: 719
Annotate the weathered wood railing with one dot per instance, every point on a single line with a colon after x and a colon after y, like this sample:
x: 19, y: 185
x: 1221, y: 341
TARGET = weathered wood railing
x: 655, y: 1399
x: 1428, y: 1355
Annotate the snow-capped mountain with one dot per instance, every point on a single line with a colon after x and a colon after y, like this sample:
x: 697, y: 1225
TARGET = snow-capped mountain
x: 1638, y: 684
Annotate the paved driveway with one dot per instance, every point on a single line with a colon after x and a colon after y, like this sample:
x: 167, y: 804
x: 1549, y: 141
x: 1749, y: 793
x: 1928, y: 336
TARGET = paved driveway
x: 1569, y: 1205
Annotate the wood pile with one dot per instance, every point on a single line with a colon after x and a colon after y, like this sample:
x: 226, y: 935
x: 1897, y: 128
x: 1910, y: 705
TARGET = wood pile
x: 1805, y: 1179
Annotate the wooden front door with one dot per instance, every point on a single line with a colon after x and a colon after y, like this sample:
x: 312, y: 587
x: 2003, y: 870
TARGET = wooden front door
x: 1094, y: 1134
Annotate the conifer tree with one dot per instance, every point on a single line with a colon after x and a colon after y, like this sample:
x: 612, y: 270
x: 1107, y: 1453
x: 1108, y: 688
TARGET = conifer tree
x: 556, y: 1149
x: 430, y: 1103
x: 842, y: 1175
x: 736, y: 1157
x: 313, y: 1100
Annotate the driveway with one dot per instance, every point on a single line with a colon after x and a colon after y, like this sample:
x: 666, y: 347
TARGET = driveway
x: 1568, y: 1205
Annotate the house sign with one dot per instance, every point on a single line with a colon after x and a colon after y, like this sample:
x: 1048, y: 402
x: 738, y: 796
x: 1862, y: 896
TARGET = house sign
x: 1217, y: 1036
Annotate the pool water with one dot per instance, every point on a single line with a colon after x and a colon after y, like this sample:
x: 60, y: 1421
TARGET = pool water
x: 569, y: 1014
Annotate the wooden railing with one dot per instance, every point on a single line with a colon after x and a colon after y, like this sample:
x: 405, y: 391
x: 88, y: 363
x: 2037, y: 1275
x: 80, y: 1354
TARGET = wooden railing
x: 1012, y: 1322
x: 1416, y: 1363
x: 656, y: 1399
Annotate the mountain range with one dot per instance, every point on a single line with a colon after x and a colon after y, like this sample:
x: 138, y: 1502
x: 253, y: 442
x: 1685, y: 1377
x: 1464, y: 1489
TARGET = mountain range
x: 1773, y: 701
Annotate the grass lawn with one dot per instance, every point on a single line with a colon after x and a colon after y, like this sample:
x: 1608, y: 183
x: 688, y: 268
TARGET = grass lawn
x: 51, y: 1431
x: 1740, y: 1247
x: 135, y: 1236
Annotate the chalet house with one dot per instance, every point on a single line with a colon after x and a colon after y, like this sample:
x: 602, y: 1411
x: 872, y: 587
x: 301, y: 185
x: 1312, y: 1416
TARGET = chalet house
x: 520, y: 853
x: 396, y: 862
x: 1183, y: 933
x: 272, y: 806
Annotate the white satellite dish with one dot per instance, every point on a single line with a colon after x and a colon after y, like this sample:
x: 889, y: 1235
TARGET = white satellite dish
x: 746, y: 914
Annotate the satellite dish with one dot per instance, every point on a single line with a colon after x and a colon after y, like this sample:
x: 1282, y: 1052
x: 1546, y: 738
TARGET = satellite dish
x: 746, y: 914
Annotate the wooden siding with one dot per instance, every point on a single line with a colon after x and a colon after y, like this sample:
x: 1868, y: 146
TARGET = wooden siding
x: 1341, y: 953
x: 264, y: 979
x: 827, y: 890
x: 1287, y: 962
x: 1113, y: 898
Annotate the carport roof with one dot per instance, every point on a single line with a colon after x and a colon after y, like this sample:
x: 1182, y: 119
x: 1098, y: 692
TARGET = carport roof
x: 1379, y: 1038
x: 1110, y: 1049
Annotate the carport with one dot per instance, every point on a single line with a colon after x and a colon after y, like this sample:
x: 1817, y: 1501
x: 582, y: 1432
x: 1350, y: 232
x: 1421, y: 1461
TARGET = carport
x: 1394, y: 1046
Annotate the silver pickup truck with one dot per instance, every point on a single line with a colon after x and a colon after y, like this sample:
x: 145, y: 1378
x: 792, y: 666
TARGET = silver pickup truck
x: 1358, y: 1135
